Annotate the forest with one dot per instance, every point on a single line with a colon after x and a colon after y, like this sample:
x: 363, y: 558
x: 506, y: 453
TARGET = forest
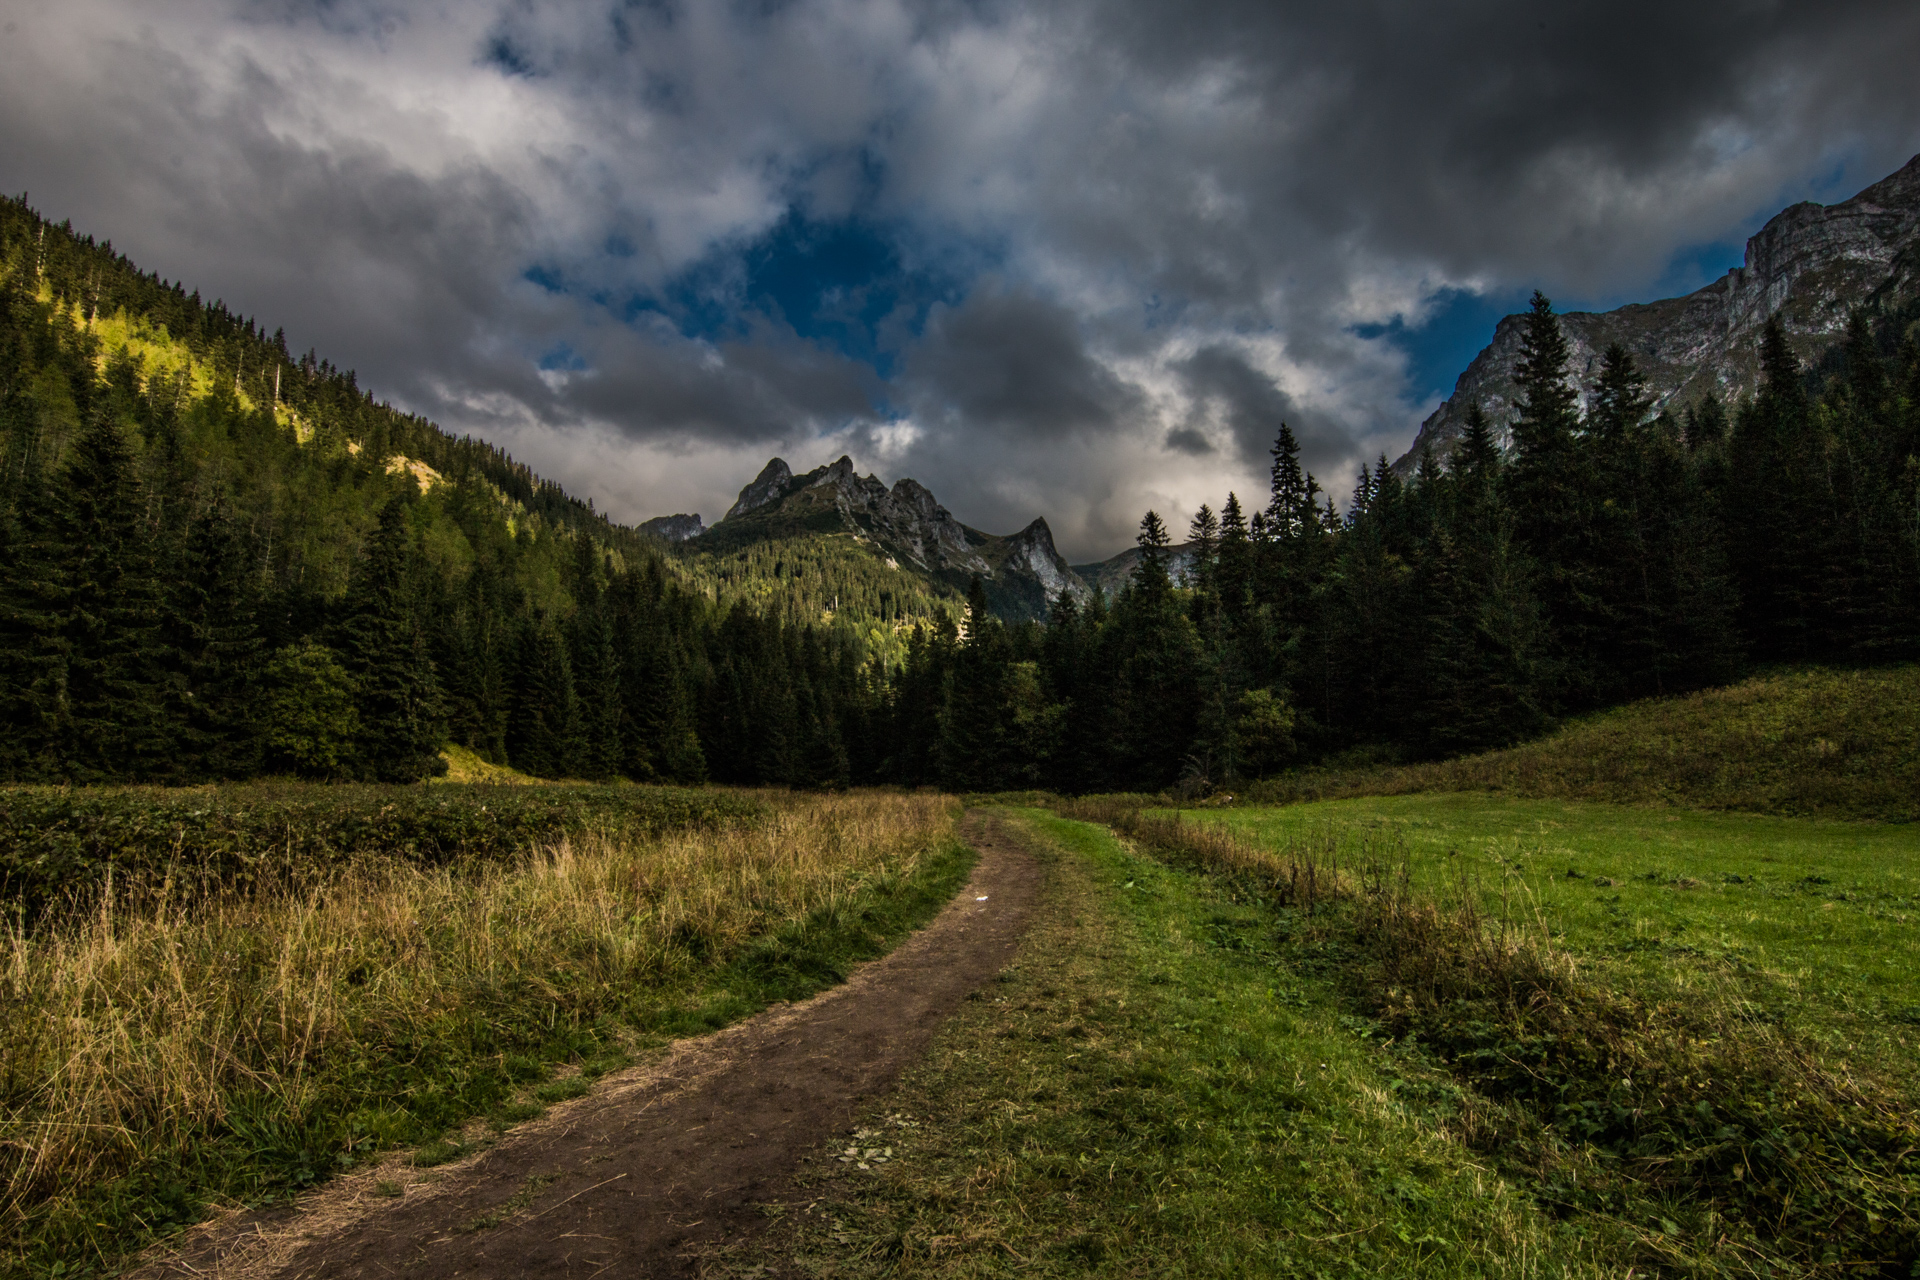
x: 221, y: 561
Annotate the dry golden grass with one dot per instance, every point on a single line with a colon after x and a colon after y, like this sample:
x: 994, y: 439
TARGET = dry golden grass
x: 128, y: 1034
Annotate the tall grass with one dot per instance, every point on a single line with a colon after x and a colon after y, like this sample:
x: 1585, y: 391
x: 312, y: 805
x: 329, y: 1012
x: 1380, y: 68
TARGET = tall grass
x: 1728, y: 1142
x: 252, y: 1041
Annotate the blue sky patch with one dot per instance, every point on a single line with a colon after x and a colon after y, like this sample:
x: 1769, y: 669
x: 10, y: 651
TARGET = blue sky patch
x: 841, y: 283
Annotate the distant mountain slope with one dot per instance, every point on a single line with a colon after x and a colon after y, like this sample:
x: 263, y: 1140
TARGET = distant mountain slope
x: 1111, y: 576
x: 1811, y: 265
x: 904, y: 532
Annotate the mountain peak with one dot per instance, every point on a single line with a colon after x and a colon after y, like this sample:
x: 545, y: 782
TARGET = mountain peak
x: 908, y: 526
x: 769, y: 486
x: 1810, y: 265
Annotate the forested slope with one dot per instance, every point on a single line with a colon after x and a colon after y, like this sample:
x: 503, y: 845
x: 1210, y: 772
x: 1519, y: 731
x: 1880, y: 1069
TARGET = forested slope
x: 219, y: 559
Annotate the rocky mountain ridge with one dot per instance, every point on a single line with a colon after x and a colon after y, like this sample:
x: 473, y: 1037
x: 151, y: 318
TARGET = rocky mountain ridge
x: 905, y: 525
x: 1811, y: 265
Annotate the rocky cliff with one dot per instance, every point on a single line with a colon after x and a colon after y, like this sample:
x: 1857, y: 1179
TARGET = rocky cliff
x: 674, y: 528
x: 1811, y: 265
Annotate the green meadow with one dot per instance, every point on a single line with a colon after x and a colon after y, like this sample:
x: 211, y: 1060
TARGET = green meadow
x: 1822, y: 912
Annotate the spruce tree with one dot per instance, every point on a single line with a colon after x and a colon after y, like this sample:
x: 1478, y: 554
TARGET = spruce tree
x: 1551, y: 491
x: 212, y: 636
x: 384, y: 649
x: 99, y: 663
x: 1777, y: 491
x: 543, y: 733
x: 976, y: 711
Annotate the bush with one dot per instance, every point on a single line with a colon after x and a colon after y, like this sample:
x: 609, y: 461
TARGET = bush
x: 64, y: 845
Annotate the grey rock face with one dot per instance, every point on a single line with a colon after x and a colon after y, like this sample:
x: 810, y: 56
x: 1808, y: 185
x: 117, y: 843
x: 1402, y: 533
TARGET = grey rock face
x: 1810, y: 265
x: 1032, y: 552
x: 674, y: 528
x: 771, y: 485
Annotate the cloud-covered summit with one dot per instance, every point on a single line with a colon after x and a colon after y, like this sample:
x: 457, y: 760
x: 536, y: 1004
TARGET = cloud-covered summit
x: 1072, y: 260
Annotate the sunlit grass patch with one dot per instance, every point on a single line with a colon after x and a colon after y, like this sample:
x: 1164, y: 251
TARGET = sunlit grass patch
x: 1715, y: 1056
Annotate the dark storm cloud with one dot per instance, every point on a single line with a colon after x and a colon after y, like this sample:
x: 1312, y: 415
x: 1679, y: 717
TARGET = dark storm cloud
x: 1157, y: 230
x: 1564, y: 141
x: 1013, y: 363
x: 1189, y: 440
x: 737, y: 393
x: 1254, y: 409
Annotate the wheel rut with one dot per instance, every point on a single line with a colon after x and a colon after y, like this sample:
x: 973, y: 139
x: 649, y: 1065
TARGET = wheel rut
x: 666, y: 1158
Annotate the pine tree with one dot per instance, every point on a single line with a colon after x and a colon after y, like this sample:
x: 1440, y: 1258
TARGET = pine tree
x: 212, y: 635
x: 1777, y: 491
x: 596, y: 749
x: 976, y: 712
x: 383, y: 647
x: 1203, y: 531
x: 543, y: 733
x: 1552, y: 494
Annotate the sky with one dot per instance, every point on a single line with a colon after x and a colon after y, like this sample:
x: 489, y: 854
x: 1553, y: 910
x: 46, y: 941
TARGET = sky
x: 1071, y: 260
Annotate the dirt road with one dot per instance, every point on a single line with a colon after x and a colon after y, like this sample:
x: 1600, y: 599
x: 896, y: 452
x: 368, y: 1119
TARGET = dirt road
x: 661, y: 1158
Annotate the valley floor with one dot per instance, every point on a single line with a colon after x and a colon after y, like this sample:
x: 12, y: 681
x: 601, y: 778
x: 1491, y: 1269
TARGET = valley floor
x: 1422, y: 1035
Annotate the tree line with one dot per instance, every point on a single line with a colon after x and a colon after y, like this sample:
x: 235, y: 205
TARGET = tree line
x: 1601, y: 553
x: 213, y: 565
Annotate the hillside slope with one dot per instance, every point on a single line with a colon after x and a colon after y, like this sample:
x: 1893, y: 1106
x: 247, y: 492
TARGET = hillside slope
x: 1811, y: 265
x: 218, y: 559
x: 1813, y: 742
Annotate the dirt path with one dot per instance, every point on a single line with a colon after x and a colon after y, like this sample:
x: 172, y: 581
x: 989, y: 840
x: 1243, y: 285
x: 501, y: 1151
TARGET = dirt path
x: 663, y: 1157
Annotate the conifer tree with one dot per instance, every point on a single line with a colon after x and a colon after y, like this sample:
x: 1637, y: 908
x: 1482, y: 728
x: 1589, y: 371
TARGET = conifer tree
x: 976, y: 713
x: 1203, y: 531
x: 103, y: 665
x: 596, y: 751
x: 212, y: 638
x: 1778, y: 485
x: 543, y: 734
x: 1552, y: 498
x: 383, y: 647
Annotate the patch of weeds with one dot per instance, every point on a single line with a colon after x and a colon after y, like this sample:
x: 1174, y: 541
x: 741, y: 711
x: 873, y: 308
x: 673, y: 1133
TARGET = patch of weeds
x: 442, y: 1152
x: 512, y: 1205
x: 519, y: 1113
x: 563, y: 1089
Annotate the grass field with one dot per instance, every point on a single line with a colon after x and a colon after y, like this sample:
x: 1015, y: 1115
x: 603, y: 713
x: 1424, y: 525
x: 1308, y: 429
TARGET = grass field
x: 161, y: 1057
x: 1826, y: 913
